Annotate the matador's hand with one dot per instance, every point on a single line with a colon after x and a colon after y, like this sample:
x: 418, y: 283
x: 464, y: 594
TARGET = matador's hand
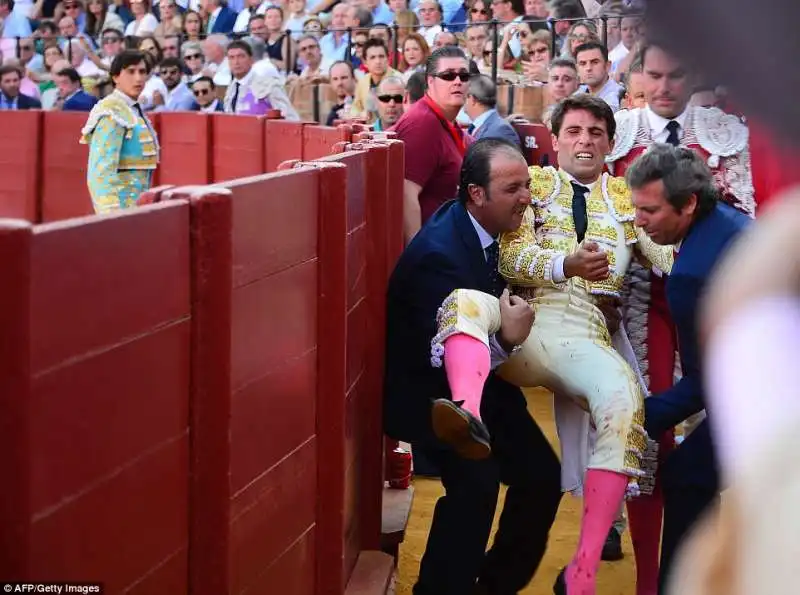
x: 516, y: 320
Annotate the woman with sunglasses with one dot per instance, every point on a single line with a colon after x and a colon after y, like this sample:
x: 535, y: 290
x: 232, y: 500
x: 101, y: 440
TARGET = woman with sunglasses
x: 479, y: 12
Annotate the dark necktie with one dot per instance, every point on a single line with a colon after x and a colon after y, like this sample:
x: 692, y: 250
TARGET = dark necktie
x: 236, y: 86
x: 471, y: 129
x: 496, y: 280
x: 673, y: 128
x: 579, y: 216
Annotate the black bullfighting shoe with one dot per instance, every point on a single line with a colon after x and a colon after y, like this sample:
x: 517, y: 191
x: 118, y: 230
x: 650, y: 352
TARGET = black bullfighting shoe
x: 461, y: 430
x: 560, y: 586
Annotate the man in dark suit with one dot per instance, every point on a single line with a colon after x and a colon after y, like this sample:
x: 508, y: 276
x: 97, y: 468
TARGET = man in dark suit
x: 71, y: 97
x: 676, y: 203
x: 10, y: 97
x: 481, y: 106
x: 457, y: 248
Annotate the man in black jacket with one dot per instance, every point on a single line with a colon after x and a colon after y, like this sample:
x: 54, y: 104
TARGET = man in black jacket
x: 457, y: 248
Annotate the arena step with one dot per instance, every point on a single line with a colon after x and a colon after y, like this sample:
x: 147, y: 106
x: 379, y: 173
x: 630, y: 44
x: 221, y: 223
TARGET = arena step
x: 396, y: 512
x: 374, y: 574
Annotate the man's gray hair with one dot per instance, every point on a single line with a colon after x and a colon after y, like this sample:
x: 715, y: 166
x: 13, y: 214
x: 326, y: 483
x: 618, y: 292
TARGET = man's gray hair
x: 220, y: 39
x: 683, y: 172
x: 191, y: 46
x: 483, y: 89
x: 258, y: 46
x: 392, y: 80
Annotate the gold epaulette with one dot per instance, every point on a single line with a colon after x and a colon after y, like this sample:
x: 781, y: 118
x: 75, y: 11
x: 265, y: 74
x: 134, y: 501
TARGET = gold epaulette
x: 113, y: 107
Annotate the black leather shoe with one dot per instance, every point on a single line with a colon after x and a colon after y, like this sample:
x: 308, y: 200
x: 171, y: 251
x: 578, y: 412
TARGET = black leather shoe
x: 612, y: 548
x: 560, y: 586
x: 461, y: 430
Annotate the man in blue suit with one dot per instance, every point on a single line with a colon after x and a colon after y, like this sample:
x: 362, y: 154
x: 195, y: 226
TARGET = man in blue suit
x: 71, y: 97
x: 456, y: 248
x: 481, y: 106
x: 221, y: 19
x: 676, y: 203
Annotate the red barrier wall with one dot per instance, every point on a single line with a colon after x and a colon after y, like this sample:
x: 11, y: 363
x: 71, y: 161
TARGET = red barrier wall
x: 185, y: 139
x: 44, y: 170
x: 20, y: 152
x: 319, y: 141
x: 265, y: 357
x: 237, y: 146
x: 94, y: 400
x: 63, y: 170
x: 284, y: 141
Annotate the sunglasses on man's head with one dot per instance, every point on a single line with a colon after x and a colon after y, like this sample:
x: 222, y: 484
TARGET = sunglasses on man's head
x: 451, y: 75
x: 388, y: 98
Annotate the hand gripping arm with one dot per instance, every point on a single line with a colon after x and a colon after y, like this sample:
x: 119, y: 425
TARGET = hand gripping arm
x: 522, y: 261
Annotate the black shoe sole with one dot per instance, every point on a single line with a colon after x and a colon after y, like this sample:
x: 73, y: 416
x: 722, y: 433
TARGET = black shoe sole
x: 452, y: 427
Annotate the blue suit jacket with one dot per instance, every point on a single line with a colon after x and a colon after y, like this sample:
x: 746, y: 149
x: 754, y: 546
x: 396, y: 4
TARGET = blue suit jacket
x: 27, y: 102
x: 80, y: 102
x: 496, y: 127
x: 445, y: 255
x: 701, y: 250
x: 226, y: 19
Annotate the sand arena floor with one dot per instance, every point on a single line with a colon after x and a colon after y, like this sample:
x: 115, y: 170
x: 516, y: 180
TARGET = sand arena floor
x: 615, y: 578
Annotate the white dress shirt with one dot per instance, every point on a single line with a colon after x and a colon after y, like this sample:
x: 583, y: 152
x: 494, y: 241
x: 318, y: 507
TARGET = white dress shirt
x: 558, y: 261
x: 658, y: 125
x: 497, y: 353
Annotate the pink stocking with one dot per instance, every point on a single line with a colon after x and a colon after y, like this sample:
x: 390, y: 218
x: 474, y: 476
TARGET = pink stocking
x: 603, y: 492
x: 467, y: 362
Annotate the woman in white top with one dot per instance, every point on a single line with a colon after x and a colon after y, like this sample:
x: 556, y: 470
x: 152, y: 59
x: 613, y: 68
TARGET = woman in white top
x: 144, y: 21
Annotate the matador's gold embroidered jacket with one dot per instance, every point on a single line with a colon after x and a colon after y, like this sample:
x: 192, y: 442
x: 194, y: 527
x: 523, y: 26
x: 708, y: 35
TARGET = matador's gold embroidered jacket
x: 548, y: 231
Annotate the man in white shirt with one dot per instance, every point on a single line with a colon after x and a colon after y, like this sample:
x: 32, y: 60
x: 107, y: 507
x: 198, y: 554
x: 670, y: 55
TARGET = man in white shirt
x: 593, y: 68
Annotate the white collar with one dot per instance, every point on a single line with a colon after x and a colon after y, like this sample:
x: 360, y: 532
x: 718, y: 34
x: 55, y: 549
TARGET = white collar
x: 483, y: 235
x: 481, y: 120
x: 571, y: 178
x: 658, y: 124
x: 128, y: 100
x: 245, y: 80
x: 216, y: 12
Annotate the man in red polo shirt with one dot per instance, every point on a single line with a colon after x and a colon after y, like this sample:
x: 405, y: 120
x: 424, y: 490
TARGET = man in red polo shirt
x: 434, y: 143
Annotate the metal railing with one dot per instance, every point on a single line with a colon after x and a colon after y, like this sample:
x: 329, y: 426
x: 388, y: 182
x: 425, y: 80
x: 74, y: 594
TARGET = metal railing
x: 494, y: 26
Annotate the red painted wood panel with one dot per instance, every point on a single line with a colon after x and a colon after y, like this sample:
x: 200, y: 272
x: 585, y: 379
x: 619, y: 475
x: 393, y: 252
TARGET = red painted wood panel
x: 185, y: 139
x: 270, y: 514
x: 15, y: 406
x: 275, y: 223
x: 271, y: 417
x: 289, y: 575
x: 103, y: 441
x: 282, y: 305
x: 129, y: 398
x: 123, y: 528
x: 319, y: 141
x: 94, y: 270
x: 64, y: 161
x: 170, y: 577
x: 20, y: 162
x: 237, y: 146
x: 283, y: 141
